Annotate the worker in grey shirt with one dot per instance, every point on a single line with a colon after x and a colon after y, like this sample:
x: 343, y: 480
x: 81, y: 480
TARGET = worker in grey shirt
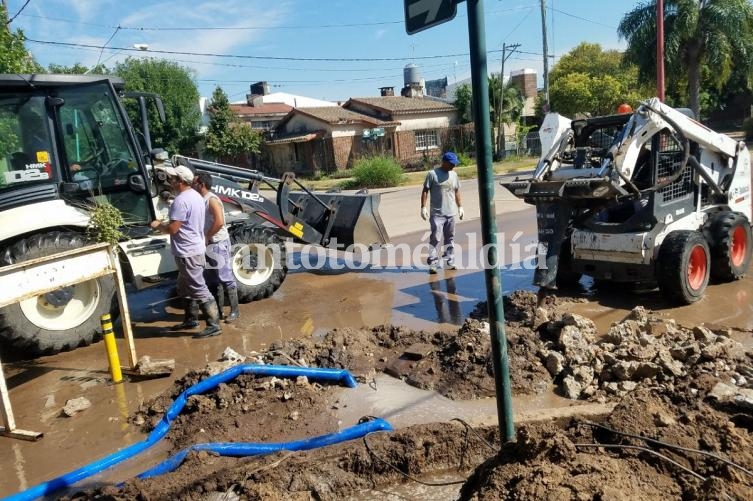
x: 442, y: 189
x: 188, y: 245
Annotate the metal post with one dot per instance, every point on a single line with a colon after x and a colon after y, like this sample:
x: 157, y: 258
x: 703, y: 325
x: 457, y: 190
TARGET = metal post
x: 492, y: 275
x: 112, y: 349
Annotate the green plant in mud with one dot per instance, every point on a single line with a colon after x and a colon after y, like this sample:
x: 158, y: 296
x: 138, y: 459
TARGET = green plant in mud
x: 105, y: 223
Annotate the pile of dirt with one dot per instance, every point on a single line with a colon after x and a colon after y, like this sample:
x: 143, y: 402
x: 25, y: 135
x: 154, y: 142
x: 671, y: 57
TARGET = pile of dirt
x: 690, y: 388
x: 576, y: 459
x: 614, y: 460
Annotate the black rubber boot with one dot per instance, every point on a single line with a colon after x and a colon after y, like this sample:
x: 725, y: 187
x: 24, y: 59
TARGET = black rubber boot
x: 190, y: 317
x: 212, y: 314
x: 219, y: 296
x: 232, y: 294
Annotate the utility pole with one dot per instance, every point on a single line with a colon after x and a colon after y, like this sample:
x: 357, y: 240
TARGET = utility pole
x: 546, y: 55
x: 499, y: 144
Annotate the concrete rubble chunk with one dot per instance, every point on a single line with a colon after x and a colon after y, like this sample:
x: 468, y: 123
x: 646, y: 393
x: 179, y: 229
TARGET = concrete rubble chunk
x: 638, y: 314
x: 740, y: 397
x: 230, y: 355
x: 555, y: 363
x: 703, y: 334
x: 147, y: 366
x: 571, y: 388
x: 668, y: 364
x: 76, y: 405
x: 576, y: 346
x: 585, y: 325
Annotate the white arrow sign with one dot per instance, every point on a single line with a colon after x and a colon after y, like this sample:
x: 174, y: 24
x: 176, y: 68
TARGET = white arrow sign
x: 431, y: 7
x: 423, y: 14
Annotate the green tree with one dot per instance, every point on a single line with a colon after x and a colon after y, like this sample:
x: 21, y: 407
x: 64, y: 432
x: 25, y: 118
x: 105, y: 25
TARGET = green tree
x: 176, y: 86
x: 591, y: 80
x: 228, y: 136
x: 463, y: 101
x: 14, y: 58
x: 76, y: 69
x: 712, y: 34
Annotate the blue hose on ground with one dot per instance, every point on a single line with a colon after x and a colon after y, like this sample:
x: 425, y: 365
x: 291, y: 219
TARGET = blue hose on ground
x: 159, y: 431
x: 258, y: 449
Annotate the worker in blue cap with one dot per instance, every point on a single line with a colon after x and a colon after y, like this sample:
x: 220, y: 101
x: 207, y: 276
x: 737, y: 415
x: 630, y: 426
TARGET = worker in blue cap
x: 442, y: 191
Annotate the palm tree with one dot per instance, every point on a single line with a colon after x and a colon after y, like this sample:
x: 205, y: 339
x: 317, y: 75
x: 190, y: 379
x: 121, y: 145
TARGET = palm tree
x: 715, y: 34
x: 507, y: 107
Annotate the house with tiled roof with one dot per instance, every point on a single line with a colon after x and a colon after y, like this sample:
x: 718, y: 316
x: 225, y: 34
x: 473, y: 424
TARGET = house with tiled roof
x: 423, y: 123
x: 261, y: 117
x: 311, y: 140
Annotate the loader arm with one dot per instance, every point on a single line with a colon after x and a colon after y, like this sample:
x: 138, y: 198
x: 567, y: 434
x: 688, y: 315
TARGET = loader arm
x: 337, y: 220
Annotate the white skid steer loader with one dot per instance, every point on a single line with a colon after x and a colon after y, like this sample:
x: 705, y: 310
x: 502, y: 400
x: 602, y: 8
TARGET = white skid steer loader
x: 650, y: 197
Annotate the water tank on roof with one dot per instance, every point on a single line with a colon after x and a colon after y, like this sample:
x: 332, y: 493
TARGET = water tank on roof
x: 411, y: 74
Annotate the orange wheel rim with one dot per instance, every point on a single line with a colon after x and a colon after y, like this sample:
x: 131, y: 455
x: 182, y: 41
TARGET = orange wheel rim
x: 739, y: 246
x: 697, y: 267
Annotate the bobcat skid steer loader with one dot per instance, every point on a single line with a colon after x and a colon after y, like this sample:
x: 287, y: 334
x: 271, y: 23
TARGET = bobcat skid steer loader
x: 650, y: 197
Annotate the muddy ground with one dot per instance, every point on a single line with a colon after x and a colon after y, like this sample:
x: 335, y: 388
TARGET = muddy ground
x: 689, y: 387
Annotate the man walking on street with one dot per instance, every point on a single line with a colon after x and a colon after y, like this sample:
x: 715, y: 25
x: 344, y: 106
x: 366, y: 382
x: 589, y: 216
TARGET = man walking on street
x: 187, y: 243
x: 442, y: 188
x: 218, y: 272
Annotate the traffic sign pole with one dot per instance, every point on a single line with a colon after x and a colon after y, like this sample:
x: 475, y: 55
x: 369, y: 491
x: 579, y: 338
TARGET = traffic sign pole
x: 492, y: 273
x: 423, y: 14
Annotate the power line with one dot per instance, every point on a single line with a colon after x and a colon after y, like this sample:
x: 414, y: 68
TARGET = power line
x: 19, y: 11
x: 269, y: 58
x: 581, y: 18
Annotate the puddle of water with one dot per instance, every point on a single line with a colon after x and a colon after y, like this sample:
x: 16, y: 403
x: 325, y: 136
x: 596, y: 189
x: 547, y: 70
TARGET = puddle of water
x: 403, y: 405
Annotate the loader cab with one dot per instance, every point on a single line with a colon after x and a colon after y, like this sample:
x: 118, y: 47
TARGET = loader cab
x: 69, y: 138
x: 99, y: 157
x: 26, y: 150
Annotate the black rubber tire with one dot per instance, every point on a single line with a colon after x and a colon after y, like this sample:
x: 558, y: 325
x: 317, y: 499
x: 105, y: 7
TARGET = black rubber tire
x: 567, y: 278
x: 21, y: 336
x: 263, y: 282
x: 731, y: 245
x: 673, y: 267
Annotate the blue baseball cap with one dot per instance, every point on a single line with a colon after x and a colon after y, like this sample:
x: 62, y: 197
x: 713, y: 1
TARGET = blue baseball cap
x: 450, y: 158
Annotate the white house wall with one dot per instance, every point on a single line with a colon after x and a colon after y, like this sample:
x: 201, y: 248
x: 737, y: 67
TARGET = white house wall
x: 426, y: 121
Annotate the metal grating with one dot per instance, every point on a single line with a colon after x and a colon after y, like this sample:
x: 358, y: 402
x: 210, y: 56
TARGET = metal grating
x: 670, y: 160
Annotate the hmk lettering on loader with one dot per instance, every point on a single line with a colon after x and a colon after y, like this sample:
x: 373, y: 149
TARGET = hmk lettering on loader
x: 238, y: 193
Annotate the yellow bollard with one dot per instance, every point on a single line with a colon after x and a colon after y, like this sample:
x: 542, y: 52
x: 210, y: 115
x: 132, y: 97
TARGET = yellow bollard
x: 112, y: 349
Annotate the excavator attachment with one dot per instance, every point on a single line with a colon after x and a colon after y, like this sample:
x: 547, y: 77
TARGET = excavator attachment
x: 344, y: 220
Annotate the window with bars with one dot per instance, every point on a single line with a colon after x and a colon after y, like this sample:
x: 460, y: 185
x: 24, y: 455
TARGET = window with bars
x: 669, y: 162
x: 426, y: 139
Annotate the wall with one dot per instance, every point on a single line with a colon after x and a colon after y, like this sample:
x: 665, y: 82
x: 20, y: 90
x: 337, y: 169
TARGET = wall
x: 425, y: 121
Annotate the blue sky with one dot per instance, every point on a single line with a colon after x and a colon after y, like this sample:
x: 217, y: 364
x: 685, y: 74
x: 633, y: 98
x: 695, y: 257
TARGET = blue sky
x: 233, y: 43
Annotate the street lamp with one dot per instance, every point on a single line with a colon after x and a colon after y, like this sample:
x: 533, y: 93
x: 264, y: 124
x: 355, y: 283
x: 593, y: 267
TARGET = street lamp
x: 138, y: 46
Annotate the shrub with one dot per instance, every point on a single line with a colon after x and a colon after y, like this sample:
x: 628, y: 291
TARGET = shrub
x: 376, y: 172
x: 465, y: 159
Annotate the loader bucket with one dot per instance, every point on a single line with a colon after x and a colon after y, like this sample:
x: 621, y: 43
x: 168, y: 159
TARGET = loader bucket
x: 356, y: 219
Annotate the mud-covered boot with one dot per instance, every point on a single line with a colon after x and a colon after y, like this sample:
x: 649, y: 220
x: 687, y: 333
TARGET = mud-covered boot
x: 219, y: 296
x: 212, y: 314
x: 190, y: 317
x: 232, y: 294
